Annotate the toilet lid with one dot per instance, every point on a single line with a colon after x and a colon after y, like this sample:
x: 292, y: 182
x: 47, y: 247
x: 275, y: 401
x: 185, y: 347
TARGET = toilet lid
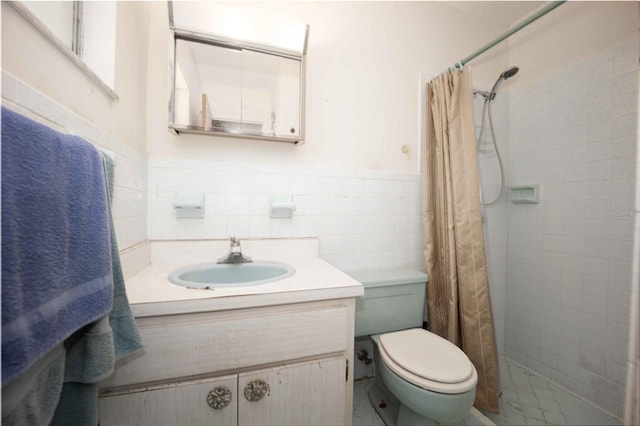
x: 427, y: 355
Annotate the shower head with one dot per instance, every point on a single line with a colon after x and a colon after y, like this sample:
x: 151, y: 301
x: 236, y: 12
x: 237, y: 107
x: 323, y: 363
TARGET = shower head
x: 508, y: 73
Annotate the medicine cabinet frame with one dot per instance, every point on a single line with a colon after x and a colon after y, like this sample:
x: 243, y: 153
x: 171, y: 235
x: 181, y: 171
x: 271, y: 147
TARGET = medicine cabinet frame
x: 191, y: 35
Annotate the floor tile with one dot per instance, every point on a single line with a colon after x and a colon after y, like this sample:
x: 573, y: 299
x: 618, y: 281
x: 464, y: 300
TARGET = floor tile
x: 554, y: 418
x: 363, y: 412
x: 365, y: 415
x: 527, y: 399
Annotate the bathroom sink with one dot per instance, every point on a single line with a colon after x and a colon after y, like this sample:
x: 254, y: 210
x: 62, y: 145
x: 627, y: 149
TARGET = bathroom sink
x: 222, y: 275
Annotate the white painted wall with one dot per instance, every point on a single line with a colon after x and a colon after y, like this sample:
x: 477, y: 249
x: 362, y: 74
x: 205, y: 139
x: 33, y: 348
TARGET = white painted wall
x: 569, y: 34
x: 364, y: 60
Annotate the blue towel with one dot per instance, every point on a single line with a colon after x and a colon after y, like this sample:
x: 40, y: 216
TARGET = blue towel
x: 31, y: 399
x: 126, y: 338
x: 92, y: 357
x: 56, y: 251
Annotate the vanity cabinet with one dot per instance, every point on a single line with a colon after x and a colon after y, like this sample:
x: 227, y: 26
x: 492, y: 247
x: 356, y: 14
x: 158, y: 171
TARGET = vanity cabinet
x: 313, y: 393
x: 171, y: 404
x: 273, y: 365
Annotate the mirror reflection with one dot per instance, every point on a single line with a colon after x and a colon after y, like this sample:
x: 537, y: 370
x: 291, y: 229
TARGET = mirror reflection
x: 236, y: 91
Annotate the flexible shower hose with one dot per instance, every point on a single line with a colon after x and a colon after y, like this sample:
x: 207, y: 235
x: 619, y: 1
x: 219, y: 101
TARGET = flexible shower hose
x: 487, y: 101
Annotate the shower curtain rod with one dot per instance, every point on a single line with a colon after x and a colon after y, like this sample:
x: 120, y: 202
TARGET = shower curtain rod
x: 546, y: 9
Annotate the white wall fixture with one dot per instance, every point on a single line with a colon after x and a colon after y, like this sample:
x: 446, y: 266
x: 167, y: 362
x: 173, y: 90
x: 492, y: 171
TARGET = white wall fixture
x: 525, y: 194
x: 189, y: 205
x: 281, y: 207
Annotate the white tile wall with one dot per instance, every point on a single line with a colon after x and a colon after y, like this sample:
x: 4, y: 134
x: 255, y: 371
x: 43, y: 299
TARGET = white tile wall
x: 569, y: 265
x: 130, y: 190
x: 363, y: 219
x: 495, y: 217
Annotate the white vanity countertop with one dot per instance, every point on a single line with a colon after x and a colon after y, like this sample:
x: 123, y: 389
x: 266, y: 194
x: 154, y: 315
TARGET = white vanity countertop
x: 150, y: 292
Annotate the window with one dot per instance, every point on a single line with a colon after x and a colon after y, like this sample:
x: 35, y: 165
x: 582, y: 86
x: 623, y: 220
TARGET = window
x: 85, y: 31
x: 58, y: 17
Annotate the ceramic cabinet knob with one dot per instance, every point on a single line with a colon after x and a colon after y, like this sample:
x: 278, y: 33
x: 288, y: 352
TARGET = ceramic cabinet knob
x: 219, y: 397
x: 256, y: 390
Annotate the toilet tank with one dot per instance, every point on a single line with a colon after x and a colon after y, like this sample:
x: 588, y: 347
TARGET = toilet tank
x: 393, y: 300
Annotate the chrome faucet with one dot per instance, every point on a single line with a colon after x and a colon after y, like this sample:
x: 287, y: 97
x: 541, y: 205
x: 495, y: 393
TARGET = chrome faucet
x: 235, y: 253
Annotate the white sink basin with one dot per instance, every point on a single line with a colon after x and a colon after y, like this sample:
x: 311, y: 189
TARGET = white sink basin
x: 221, y: 275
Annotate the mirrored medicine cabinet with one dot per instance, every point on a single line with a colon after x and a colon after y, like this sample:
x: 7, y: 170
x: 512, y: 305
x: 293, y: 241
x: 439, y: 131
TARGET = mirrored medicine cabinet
x: 245, y: 87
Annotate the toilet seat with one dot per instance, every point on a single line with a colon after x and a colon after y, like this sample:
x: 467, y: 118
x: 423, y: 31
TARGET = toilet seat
x: 428, y: 361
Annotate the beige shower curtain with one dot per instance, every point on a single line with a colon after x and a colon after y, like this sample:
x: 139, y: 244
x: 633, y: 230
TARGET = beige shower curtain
x: 458, y: 293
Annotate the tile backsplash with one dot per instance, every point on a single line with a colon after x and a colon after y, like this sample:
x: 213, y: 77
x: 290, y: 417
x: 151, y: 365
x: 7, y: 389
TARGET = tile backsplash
x: 363, y: 219
x: 130, y: 193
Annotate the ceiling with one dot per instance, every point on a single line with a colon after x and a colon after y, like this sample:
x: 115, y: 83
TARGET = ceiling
x: 503, y: 13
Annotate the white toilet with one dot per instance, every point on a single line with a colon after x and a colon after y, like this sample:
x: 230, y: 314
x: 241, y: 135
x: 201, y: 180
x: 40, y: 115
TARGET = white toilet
x: 421, y: 378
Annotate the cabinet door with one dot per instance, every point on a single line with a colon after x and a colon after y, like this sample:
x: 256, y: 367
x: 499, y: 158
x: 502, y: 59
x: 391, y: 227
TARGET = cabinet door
x: 185, y: 403
x: 311, y: 393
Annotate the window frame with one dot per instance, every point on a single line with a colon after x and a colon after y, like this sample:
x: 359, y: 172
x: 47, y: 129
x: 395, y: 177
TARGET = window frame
x: 74, y: 53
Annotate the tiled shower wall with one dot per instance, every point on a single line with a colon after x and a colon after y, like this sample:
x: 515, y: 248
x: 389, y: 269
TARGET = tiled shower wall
x: 494, y: 217
x: 130, y: 190
x: 363, y: 219
x: 569, y: 263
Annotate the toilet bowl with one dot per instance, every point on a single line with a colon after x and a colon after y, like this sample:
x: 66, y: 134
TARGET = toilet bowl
x: 421, y: 378
x: 432, y: 378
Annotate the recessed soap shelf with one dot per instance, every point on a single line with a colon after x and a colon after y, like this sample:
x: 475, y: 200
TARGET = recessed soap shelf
x: 525, y: 194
